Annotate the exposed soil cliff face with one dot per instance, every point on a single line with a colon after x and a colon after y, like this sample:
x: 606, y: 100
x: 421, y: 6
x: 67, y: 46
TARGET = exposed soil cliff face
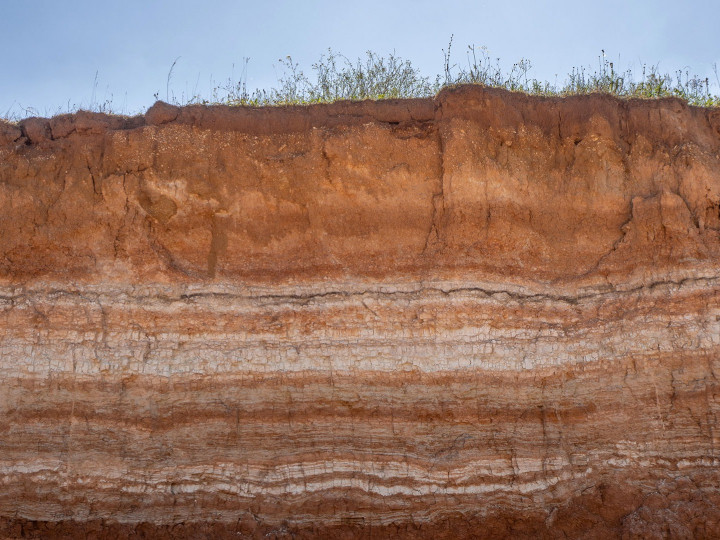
x: 486, y: 314
x: 478, y: 181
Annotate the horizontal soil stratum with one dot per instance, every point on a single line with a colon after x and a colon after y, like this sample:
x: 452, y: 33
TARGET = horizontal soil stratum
x: 483, y: 315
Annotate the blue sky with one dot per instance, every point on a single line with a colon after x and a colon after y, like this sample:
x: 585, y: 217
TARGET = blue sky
x: 79, y: 53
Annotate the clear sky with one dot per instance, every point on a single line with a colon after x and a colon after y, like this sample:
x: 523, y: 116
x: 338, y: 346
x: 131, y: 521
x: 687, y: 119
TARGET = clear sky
x: 79, y: 53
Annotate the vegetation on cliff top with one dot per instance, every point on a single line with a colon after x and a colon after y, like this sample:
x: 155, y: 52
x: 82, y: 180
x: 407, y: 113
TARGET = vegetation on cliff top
x: 336, y: 77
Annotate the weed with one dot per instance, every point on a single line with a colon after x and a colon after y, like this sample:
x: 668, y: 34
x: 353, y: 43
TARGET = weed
x: 169, y: 77
x: 335, y: 77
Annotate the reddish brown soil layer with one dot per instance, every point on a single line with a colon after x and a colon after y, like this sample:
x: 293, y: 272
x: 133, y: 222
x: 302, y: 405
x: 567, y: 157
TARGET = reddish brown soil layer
x: 476, y: 182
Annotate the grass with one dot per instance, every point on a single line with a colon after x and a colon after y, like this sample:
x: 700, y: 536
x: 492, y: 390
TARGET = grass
x: 335, y: 77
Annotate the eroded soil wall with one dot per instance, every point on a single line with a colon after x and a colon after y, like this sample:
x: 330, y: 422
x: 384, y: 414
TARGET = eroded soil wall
x: 483, y: 315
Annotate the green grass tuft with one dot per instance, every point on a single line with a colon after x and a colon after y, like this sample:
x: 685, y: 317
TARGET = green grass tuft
x: 335, y: 77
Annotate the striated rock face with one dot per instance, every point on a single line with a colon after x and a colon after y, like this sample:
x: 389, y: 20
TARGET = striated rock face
x: 484, y: 315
